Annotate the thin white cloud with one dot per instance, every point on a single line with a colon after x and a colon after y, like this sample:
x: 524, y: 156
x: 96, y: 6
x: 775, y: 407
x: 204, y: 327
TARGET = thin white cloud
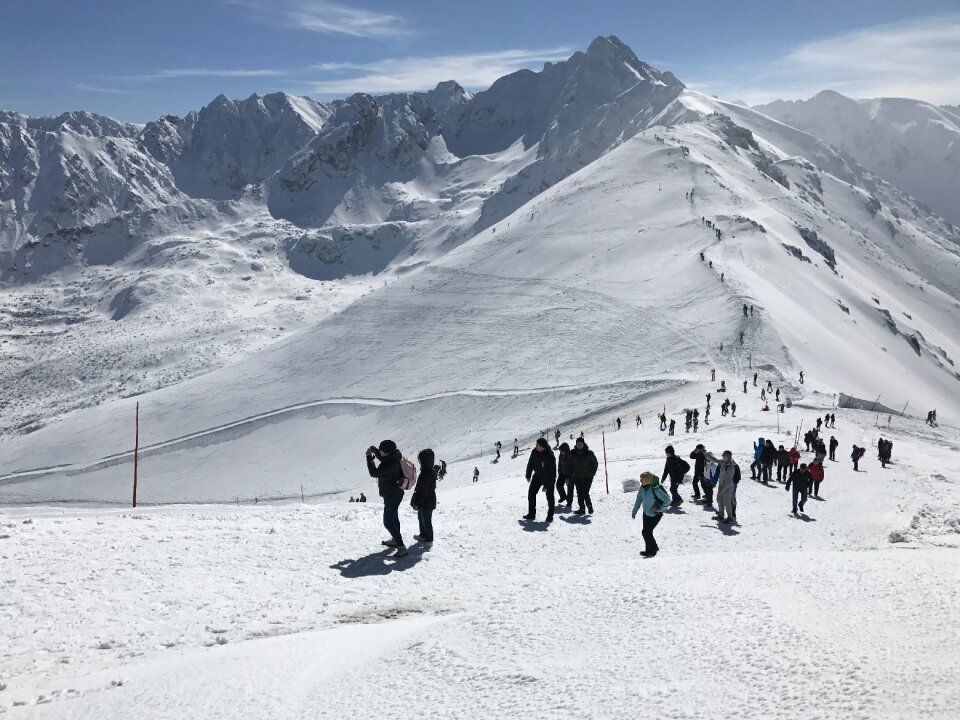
x: 326, y: 17
x: 87, y: 87
x: 475, y: 70
x: 918, y: 58
x: 203, y: 72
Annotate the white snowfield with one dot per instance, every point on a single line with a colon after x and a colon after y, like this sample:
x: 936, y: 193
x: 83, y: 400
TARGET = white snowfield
x: 279, y: 284
x: 296, y: 611
x: 592, y: 294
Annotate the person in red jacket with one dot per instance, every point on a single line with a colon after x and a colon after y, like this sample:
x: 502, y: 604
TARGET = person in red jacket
x: 794, y: 457
x: 816, y: 472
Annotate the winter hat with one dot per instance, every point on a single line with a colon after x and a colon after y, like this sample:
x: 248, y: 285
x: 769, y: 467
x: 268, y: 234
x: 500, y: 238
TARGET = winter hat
x: 565, y: 447
x: 426, y: 457
x: 387, y: 447
x: 542, y: 442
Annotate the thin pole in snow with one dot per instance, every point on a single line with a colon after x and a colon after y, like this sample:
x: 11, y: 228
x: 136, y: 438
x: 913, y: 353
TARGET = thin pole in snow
x: 606, y: 475
x: 302, y: 499
x: 136, y: 452
x: 904, y: 411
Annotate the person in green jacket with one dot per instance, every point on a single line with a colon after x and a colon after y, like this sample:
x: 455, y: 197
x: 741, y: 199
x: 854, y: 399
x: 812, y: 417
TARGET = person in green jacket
x: 652, y: 498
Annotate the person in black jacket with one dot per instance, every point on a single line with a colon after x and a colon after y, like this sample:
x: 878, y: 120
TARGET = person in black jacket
x: 424, y: 499
x: 834, y: 443
x: 783, y: 464
x: 767, y: 457
x: 389, y: 477
x: 541, y: 473
x: 801, y: 480
x: 699, y: 457
x: 582, y: 465
x: 675, y: 468
x: 564, y: 481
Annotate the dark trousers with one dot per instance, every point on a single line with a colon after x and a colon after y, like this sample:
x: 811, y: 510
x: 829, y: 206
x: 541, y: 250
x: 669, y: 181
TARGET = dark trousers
x: 766, y: 472
x: 833, y: 454
x: 782, y: 473
x: 583, y: 494
x: 816, y: 488
x: 799, y: 490
x: 391, y: 516
x: 564, y: 491
x: 675, y: 491
x: 697, y: 479
x: 535, y: 486
x: 425, y: 517
x: 707, y: 492
x: 856, y: 462
x: 650, y: 543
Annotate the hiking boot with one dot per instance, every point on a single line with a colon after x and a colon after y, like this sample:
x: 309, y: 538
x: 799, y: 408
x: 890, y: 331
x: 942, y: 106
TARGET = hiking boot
x: 549, y: 518
x: 717, y: 518
x: 590, y: 510
x: 676, y: 503
x: 389, y: 543
x: 578, y: 512
x: 569, y: 505
x: 401, y: 551
x: 529, y: 517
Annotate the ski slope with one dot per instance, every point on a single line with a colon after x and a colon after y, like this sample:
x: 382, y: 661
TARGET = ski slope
x: 296, y: 611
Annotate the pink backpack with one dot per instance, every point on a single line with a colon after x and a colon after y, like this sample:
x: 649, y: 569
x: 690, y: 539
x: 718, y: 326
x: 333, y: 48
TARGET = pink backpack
x: 409, y: 474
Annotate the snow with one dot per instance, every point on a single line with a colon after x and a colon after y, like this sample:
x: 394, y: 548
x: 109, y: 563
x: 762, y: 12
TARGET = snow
x: 293, y: 281
x: 295, y: 610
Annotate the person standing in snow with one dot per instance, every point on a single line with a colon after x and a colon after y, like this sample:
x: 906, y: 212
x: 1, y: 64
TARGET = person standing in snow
x: 713, y: 374
x: 745, y: 310
x: 498, y: 446
x: 663, y: 421
x: 362, y: 498
x: 833, y: 448
x: 794, y: 458
x: 638, y: 421
x: 778, y: 395
x: 618, y: 423
x: 755, y: 379
x: 819, y: 423
x: 763, y: 395
x: 783, y: 464
x: 583, y: 467
x: 556, y: 437
x: 767, y: 457
x: 443, y: 470
x: 652, y: 498
x: 733, y: 409
x: 699, y: 457
x: 673, y: 425
x: 744, y: 387
x: 516, y: 448
x: 476, y: 474
x: 674, y: 469
x: 541, y: 473
x: 801, y: 377
x: 855, y: 456
x: 815, y: 469
x: 564, y: 481
x: 389, y: 477
x: 800, y: 480
x: 424, y: 499
x: 728, y: 474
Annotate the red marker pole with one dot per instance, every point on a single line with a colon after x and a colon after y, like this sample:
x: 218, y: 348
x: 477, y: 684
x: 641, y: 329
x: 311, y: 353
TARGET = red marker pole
x: 136, y: 453
x: 606, y: 475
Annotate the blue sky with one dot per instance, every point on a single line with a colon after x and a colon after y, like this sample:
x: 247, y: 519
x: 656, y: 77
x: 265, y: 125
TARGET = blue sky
x: 136, y: 60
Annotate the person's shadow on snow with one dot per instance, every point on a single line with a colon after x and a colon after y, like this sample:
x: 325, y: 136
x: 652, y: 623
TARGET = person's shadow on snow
x: 379, y: 563
x: 533, y: 525
x: 806, y: 518
x: 726, y: 528
x: 576, y: 519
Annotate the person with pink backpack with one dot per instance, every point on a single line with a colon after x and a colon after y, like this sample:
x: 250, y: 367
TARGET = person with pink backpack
x: 394, y: 474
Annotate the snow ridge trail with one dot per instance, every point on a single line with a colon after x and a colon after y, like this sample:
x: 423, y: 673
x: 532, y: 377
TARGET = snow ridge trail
x: 291, y: 410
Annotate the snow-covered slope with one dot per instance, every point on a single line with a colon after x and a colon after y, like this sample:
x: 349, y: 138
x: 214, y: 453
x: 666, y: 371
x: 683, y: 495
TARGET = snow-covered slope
x: 909, y: 143
x: 589, y: 299
x: 298, y: 611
